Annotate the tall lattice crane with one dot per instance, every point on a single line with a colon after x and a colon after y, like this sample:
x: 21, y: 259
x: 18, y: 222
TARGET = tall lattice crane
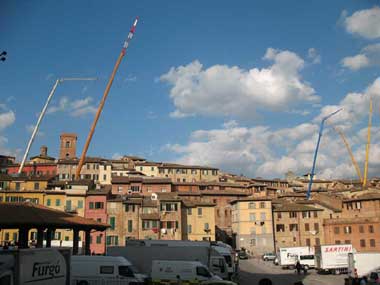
x: 368, y: 144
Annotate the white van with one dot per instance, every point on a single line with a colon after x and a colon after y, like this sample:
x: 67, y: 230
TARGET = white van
x: 166, y: 271
x: 307, y: 261
x: 93, y: 269
x: 228, y: 257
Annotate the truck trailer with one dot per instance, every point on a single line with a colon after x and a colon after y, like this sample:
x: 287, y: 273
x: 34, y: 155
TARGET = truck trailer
x: 288, y: 256
x: 332, y: 258
x: 361, y: 264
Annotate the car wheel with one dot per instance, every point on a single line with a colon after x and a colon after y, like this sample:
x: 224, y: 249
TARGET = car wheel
x: 306, y: 267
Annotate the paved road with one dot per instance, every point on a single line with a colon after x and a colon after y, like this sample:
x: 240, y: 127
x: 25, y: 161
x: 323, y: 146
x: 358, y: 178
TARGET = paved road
x: 253, y: 270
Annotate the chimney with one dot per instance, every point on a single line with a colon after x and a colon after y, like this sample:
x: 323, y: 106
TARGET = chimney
x: 43, y: 150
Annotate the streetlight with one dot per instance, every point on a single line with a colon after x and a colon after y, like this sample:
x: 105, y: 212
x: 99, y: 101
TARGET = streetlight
x: 60, y: 80
x: 324, y: 119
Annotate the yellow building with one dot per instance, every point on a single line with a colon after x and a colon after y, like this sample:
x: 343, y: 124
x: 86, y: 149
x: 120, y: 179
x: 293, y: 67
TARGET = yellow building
x: 198, y: 221
x: 188, y: 173
x: 252, y: 224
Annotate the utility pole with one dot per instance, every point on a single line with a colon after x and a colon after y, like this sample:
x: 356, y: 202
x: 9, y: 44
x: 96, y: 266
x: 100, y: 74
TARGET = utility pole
x: 105, y: 94
x: 308, y: 195
x: 40, y: 117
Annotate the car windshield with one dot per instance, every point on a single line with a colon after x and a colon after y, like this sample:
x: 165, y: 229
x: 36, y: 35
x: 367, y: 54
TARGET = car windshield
x: 126, y: 271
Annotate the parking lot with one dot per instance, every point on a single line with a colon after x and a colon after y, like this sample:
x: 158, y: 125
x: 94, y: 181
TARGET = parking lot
x: 253, y: 270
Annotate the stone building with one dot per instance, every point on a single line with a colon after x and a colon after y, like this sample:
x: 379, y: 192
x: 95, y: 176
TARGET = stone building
x: 188, y: 173
x: 252, y: 224
x: 126, y: 185
x: 68, y: 146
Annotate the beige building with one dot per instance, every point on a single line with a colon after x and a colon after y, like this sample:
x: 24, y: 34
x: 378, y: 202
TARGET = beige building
x: 147, y: 168
x: 252, y: 224
x: 198, y: 221
x: 188, y: 173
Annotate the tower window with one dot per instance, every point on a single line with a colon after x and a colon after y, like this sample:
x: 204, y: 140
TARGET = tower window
x: 67, y: 144
x: 67, y: 154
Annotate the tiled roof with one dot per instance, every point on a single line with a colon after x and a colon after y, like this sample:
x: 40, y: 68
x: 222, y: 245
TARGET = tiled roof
x: 253, y: 199
x: 224, y: 193
x: 363, y: 197
x: 192, y: 204
x: 21, y: 214
x: 293, y: 207
x: 145, y: 180
x: 182, y: 166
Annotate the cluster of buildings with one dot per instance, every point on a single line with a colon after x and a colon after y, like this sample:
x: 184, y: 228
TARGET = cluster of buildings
x: 141, y: 199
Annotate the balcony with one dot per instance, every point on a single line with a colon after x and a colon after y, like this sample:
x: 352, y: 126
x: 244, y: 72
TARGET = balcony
x: 71, y: 210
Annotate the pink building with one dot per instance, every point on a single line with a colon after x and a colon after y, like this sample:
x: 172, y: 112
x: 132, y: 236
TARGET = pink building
x: 96, y: 209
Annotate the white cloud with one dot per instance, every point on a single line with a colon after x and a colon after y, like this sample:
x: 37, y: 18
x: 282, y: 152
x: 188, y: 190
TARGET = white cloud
x: 7, y: 119
x: 76, y: 108
x: 365, y: 23
x: 356, y: 62
x: 117, y: 155
x: 222, y: 90
x: 262, y: 151
x: 312, y: 53
x: 368, y: 56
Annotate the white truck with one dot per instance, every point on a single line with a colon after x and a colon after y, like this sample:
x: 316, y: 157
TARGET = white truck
x: 92, y: 269
x: 363, y: 263
x: 142, y: 253
x: 169, y: 271
x: 332, y: 258
x: 288, y: 256
x: 39, y: 266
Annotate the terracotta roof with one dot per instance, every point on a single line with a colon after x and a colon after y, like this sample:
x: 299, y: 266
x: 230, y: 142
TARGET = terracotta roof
x: 98, y: 192
x: 13, y: 215
x: 5, y: 177
x: 170, y: 196
x: 151, y: 216
x: 145, y: 180
x: 293, y: 207
x: 253, y: 199
x: 188, y: 193
x: 147, y: 163
x: 182, y: 166
x: 230, y: 192
x: 193, y: 204
x: 364, y: 197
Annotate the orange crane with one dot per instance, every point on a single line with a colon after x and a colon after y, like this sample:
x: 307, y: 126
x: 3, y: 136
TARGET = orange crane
x: 368, y: 144
x: 101, y: 105
x: 355, y: 164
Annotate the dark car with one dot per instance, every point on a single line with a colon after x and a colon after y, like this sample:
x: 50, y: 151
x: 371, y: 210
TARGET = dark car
x: 242, y: 255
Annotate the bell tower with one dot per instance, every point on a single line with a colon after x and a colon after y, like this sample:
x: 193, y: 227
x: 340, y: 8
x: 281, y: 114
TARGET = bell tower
x: 68, y: 146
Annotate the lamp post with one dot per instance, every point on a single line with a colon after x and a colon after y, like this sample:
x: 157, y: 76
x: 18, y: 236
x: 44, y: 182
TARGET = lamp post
x: 324, y: 119
x: 42, y: 115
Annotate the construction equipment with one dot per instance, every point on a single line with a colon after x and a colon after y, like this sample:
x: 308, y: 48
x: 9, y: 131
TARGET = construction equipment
x: 354, y: 163
x: 101, y: 105
x: 324, y: 119
x: 60, y: 80
x: 368, y: 144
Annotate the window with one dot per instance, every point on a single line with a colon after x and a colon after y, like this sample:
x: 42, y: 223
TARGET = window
x: 315, y: 214
x: 199, y: 211
x: 112, y: 223
x: 135, y: 188
x: 207, y: 227
x: 202, y: 271
x: 336, y: 230
x: 306, y: 215
x: 362, y: 243
x: 126, y: 271
x: 14, y: 237
x: 169, y: 207
x: 193, y: 171
x: 48, y: 202
x: 279, y: 216
x: 6, y: 236
x: 67, y: 145
x: 17, y: 185
x: 293, y: 227
x: 262, y: 217
x: 347, y: 230
x: 217, y: 212
x: 104, y: 176
x: 372, y: 243
x: 99, y: 239
x: 316, y: 227
x: 252, y: 217
x: 112, y: 240
x: 57, y: 235
x: 36, y: 186
x: 317, y: 241
x: 251, y: 205
x: 361, y: 229
x: 262, y: 205
x: 58, y: 202
x: 99, y: 205
x: 307, y: 227
x: 80, y: 204
x: 129, y: 208
x: 106, y: 269
x: 130, y: 226
x: 337, y: 242
x: 371, y: 229
x: 347, y: 241
x: 280, y: 228
x: 308, y: 242
x: 253, y: 242
x: 189, y: 211
x: 91, y: 205
x: 88, y: 165
x: 189, y: 230
x: 292, y: 214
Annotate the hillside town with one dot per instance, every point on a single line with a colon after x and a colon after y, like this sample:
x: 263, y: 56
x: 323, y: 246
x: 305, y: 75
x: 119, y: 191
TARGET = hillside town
x: 143, y: 199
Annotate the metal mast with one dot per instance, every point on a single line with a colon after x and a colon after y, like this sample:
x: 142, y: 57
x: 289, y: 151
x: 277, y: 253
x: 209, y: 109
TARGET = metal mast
x: 308, y: 195
x: 42, y: 115
x: 368, y: 144
x: 101, y: 105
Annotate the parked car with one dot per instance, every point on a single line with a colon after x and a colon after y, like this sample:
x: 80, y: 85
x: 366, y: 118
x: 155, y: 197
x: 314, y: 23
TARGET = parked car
x: 270, y: 256
x: 374, y: 277
x: 243, y: 255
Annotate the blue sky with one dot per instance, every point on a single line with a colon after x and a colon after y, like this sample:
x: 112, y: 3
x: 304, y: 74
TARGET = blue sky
x: 252, y: 73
